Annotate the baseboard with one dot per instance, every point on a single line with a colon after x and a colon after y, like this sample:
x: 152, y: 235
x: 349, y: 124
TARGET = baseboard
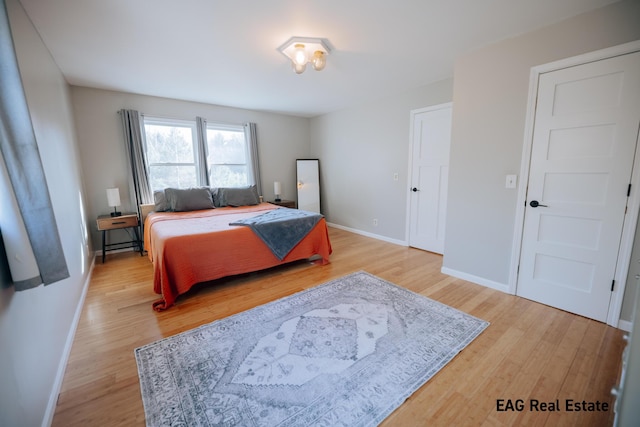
x: 367, y: 234
x: 625, y: 325
x: 476, y: 279
x: 57, y: 384
x: 98, y: 253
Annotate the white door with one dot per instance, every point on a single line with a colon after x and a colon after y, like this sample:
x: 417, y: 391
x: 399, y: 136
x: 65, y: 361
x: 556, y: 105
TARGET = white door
x: 431, y: 140
x: 584, y: 140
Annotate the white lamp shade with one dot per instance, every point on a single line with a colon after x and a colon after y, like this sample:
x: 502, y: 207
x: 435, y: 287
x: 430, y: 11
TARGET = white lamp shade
x: 113, y: 197
x: 277, y: 188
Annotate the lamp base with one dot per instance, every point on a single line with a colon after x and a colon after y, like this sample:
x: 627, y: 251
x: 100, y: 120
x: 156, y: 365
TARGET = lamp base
x: 114, y: 213
x: 277, y: 199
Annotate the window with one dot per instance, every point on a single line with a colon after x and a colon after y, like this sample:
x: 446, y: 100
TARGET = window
x: 174, y: 154
x: 228, y: 156
x: 171, y: 153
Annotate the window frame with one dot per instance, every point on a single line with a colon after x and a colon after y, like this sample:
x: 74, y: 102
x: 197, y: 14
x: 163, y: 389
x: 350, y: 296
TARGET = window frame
x: 178, y: 123
x: 217, y: 126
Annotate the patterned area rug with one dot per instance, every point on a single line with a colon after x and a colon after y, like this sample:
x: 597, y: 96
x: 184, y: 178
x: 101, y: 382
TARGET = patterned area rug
x: 346, y: 353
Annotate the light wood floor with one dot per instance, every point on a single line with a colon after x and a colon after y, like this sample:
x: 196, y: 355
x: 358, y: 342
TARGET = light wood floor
x: 530, y: 351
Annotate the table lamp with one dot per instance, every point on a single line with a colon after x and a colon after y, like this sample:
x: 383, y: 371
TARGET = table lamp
x: 113, y: 199
x: 277, y: 189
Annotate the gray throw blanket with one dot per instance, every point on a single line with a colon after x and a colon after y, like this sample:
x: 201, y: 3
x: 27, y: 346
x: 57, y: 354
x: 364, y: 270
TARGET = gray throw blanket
x: 281, y: 229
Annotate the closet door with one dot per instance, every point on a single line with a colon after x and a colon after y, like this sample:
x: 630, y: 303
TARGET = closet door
x: 308, y: 183
x: 430, y: 147
x: 584, y: 142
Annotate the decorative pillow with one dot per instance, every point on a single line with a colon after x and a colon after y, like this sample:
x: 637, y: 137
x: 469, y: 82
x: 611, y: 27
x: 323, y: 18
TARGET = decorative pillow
x: 241, y: 196
x: 188, y: 199
x: 161, y: 204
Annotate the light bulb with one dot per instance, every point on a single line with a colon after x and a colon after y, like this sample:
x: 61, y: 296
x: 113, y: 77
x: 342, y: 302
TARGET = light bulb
x: 299, y: 69
x: 319, y: 60
x: 300, y: 56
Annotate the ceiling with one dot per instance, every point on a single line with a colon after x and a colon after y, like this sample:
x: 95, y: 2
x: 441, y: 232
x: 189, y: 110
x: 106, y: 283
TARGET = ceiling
x: 225, y: 52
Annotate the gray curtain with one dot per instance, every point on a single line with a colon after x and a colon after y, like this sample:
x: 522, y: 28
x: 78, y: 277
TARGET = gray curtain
x: 139, y: 177
x: 203, y: 167
x: 24, y: 168
x: 252, y: 139
x: 5, y: 272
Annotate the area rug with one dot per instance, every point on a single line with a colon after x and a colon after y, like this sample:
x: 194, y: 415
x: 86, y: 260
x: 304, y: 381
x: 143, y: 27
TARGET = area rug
x: 345, y: 353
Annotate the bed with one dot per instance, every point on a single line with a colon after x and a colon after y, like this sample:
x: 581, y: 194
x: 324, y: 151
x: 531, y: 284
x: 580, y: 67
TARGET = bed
x: 197, y: 246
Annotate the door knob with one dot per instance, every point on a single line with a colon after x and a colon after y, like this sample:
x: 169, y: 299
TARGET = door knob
x: 535, y: 204
x: 414, y: 189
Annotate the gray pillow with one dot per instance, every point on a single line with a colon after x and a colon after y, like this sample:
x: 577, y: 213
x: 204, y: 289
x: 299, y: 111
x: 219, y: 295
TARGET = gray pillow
x: 161, y: 204
x: 241, y: 196
x: 188, y: 199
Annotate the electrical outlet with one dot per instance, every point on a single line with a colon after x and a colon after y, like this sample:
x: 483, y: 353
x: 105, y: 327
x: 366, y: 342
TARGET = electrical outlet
x: 375, y: 222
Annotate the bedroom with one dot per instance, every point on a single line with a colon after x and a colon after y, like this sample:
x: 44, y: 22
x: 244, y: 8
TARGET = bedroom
x: 60, y: 113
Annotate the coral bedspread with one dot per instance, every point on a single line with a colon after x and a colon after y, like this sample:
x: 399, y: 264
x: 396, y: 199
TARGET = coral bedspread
x: 192, y: 247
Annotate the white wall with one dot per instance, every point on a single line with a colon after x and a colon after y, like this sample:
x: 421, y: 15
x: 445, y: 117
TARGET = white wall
x: 36, y: 325
x: 490, y: 101
x: 360, y: 149
x: 281, y: 139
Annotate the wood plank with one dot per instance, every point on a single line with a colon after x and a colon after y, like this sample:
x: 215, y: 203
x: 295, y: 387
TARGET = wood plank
x: 530, y: 351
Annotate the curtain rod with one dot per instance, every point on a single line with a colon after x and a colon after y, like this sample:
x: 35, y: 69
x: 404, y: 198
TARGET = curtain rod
x: 193, y: 119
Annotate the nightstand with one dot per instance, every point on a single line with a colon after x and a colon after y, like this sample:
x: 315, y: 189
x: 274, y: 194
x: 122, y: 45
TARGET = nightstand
x: 284, y: 203
x: 126, y: 220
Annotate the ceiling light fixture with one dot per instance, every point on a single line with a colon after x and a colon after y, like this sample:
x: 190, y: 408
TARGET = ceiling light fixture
x: 304, y: 50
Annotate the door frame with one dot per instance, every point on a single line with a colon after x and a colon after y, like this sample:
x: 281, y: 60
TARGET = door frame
x: 633, y: 206
x: 412, y: 115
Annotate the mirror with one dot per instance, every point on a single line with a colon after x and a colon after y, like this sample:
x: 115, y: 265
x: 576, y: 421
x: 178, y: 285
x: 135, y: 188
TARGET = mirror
x: 308, y: 183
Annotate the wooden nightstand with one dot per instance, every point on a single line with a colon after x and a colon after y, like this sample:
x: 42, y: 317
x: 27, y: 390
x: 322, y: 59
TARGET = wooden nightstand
x: 126, y: 220
x: 284, y: 203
